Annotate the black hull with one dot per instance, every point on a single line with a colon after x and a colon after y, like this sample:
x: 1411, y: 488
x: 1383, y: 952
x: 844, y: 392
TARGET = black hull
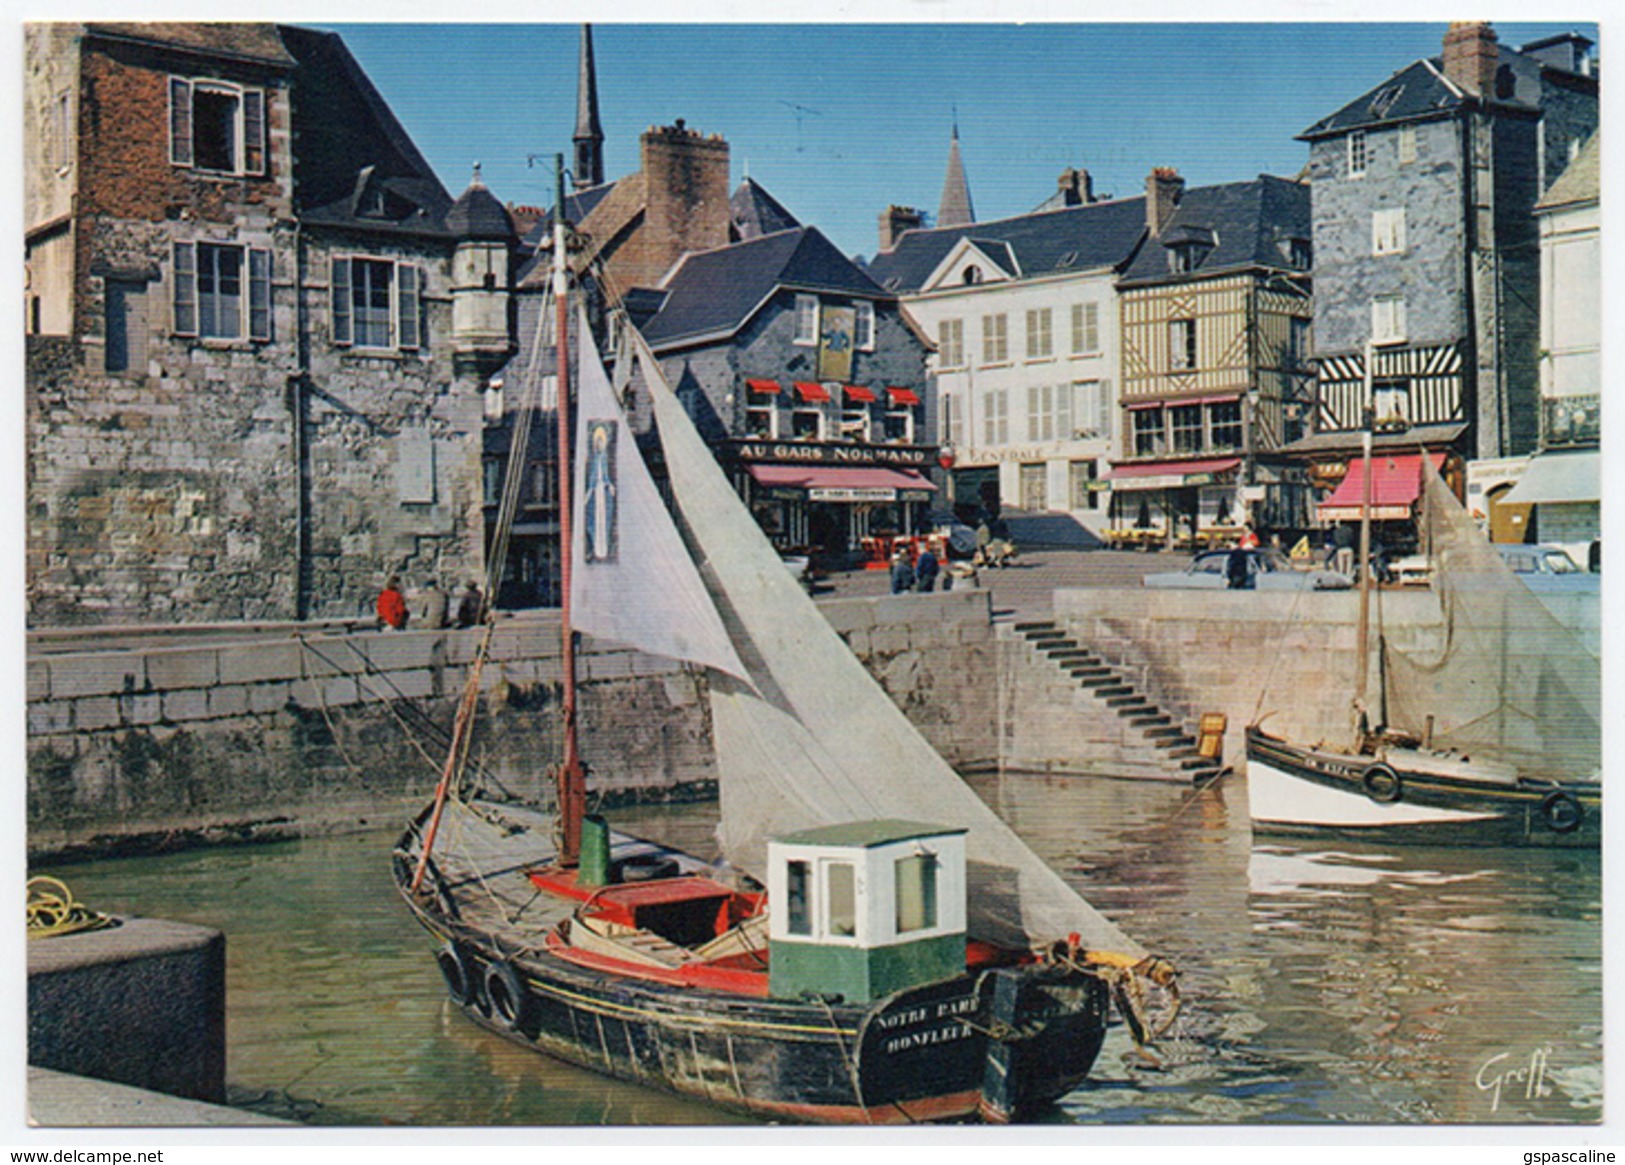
x: 920, y: 1055
x: 1310, y: 793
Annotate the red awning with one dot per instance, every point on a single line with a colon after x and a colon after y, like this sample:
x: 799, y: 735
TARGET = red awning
x: 1396, y: 479
x: 844, y: 478
x: 903, y: 396
x: 1171, y: 468
x: 810, y: 392
x: 858, y: 392
x: 762, y: 385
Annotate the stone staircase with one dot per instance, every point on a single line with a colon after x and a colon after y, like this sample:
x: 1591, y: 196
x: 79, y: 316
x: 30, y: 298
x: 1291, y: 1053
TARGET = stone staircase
x: 1121, y: 731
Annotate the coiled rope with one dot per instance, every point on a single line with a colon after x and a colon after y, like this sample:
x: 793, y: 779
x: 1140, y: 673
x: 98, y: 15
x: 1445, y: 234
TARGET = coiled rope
x: 53, y: 911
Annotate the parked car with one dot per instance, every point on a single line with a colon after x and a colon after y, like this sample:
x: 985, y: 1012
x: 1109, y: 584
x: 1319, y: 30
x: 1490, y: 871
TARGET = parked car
x: 1544, y: 568
x: 959, y: 538
x: 1267, y: 570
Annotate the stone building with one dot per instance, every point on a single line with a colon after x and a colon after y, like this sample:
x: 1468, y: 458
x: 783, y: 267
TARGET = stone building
x: 808, y: 382
x: 1426, y: 247
x: 1023, y: 313
x: 1215, y: 315
x: 242, y: 401
x: 1562, y: 484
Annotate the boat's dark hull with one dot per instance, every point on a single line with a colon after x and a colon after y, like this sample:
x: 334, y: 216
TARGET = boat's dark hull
x: 998, y: 1044
x: 1306, y: 792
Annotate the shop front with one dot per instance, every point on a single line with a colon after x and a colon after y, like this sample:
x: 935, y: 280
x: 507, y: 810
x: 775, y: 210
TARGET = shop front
x: 1396, y: 483
x: 835, y: 502
x: 1190, y: 504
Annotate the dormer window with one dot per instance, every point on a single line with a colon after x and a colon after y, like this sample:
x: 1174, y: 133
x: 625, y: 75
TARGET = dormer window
x: 973, y: 275
x: 372, y: 203
x: 216, y: 126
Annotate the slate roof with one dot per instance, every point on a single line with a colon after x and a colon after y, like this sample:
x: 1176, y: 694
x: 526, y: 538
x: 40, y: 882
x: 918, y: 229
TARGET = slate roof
x: 1420, y: 91
x: 578, y: 205
x: 1078, y: 238
x: 348, y: 147
x: 715, y: 293
x: 1245, y: 223
x: 478, y: 215
x: 1580, y: 181
x: 240, y: 41
x: 755, y: 212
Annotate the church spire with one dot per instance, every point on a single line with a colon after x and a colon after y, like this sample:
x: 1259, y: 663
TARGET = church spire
x: 589, y: 135
x: 955, y: 209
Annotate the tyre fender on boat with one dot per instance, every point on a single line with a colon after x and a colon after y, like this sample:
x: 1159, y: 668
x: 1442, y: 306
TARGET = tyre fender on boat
x: 1382, y: 784
x: 1562, y: 812
x: 456, y: 970
x: 505, y: 992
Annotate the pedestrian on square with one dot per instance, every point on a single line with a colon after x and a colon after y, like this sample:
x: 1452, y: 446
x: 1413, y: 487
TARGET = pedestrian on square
x: 1249, y: 538
x: 392, y: 605
x: 902, y: 574
x: 432, y: 606
x: 471, y: 606
x: 1235, y: 568
x: 1343, y: 540
x: 925, y: 572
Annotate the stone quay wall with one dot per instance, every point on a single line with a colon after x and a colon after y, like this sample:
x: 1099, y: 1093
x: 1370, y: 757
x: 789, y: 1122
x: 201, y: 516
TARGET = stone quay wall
x: 300, y: 728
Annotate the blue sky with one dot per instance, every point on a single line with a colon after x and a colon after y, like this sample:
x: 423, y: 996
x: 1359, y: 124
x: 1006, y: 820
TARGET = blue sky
x: 839, y: 120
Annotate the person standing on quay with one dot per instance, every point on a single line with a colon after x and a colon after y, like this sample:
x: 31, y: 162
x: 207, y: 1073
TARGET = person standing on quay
x: 925, y: 572
x: 392, y: 605
x: 902, y: 574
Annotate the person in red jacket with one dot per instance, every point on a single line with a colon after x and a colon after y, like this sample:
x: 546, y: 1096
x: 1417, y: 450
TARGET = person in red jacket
x: 392, y: 605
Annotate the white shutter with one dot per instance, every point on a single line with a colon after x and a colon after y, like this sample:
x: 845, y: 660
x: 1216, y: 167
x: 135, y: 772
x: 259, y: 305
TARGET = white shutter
x: 341, y: 302
x: 253, y: 131
x: 180, y: 122
x: 408, y: 279
x: 184, y: 292
x: 259, y: 293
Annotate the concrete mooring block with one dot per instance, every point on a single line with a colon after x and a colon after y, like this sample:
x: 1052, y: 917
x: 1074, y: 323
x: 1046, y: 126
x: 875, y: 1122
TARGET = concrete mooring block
x: 142, y: 1003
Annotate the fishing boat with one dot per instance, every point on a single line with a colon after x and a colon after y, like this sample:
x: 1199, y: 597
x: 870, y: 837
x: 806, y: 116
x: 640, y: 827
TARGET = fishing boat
x: 873, y: 946
x: 1490, y: 738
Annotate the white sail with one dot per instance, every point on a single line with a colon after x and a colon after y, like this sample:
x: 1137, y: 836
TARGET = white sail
x: 1511, y: 682
x: 813, y: 739
x: 631, y: 580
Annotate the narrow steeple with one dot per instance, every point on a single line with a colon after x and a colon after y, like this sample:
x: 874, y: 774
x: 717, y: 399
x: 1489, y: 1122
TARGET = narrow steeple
x: 955, y: 209
x: 589, y: 136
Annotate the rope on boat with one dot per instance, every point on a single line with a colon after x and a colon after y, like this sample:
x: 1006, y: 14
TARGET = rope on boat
x: 53, y: 911
x: 1128, y: 981
x: 848, y: 1060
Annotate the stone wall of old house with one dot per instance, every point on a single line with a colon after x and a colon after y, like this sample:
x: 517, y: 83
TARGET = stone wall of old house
x: 226, y: 479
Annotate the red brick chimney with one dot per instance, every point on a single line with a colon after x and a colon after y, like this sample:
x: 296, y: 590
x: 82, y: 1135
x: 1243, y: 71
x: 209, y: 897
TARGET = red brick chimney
x: 1471, y: 57
x: 894, y: 220
x: 1162, y: 191
x: 685, y: 177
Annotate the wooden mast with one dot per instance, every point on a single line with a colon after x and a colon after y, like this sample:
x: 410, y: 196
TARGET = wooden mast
x: 1363, y: 631
x: 572, y: 791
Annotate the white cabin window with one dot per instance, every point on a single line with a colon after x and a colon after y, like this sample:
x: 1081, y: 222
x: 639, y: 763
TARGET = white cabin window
x: 840, y: 900
x: 915, y: 878
x: 798, y: 898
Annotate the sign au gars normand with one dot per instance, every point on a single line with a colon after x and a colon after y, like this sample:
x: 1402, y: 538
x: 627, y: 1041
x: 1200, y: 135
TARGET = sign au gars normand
x: 913, y: 456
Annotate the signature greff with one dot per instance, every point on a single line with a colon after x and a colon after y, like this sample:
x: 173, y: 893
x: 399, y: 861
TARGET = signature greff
x: 1502, y: 1071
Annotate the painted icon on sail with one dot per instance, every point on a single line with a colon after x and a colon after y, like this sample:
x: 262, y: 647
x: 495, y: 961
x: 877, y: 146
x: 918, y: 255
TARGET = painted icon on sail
x: 599, y: 502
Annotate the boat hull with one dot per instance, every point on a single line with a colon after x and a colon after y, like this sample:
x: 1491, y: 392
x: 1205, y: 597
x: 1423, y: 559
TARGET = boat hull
x: 1304, y: 792
x: 997, y: 1045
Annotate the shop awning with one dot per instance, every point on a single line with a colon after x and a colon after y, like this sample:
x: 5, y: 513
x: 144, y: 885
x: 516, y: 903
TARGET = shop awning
x: 1396, y: 480
x: 841, y: 483
x: 858, y: 392
x: 1559, y: 477
x: 903, y: 396
x: 762, y: 385
x: 811, y: 392
x: 1170, y: 474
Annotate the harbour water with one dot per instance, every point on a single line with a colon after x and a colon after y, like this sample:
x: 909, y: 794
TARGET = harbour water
x: 1320, y: 983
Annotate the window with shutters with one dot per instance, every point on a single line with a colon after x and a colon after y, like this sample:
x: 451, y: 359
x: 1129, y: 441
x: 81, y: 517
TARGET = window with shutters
x: 995, y: 339
x: 377, y: 303
x: 1040, y: 342
x: 221, y: 291
x: 951, y: 343
x: 1085, y: 328
x: 1388, y: 231
x: 1388, y: 319
x: 807, y: 320
x: 863, y: 327
x: 996, y: 417
x: 217, y: 127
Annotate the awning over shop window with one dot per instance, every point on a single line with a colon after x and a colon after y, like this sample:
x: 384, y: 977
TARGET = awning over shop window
x: 1170, y: 474
x: 903, y: 396
x: 859, y: 393
x: 1559, y: 477
x: 811, y: 392
x: 841, y: 483
x: 769, y: 386
x: 1396, y: 480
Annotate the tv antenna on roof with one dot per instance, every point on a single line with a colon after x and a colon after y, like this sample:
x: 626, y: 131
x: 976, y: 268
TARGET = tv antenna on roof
x: 798, y: 110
